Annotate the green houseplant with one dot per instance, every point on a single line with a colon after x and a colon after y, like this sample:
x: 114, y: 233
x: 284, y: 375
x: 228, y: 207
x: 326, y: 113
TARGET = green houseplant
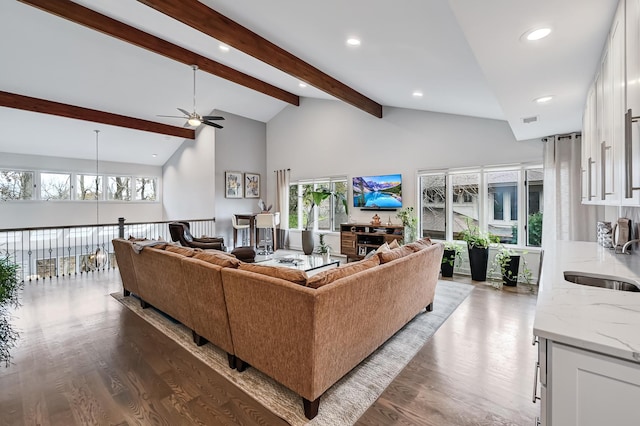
x: 9, y: 288
x: 410, y: 223
x: 313, y: 199
x: 478, y: 247
x: 508, y: 261
x: 452, y: 253
x: 323, y: 248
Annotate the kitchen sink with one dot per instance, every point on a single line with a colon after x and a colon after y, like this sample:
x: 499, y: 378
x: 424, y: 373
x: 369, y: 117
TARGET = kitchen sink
x: 603, y: 281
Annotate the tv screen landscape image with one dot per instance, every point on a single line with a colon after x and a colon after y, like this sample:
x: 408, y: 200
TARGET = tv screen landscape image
x: 378, y: 192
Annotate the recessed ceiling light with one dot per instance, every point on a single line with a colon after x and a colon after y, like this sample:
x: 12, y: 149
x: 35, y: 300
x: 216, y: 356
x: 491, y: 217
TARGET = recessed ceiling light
x: 537, y: 34
x: 224, y: 47
x: 302, y: 85
x: 353, y: 42
x: 417, y: 94
x: 154, y: 155
x: 543, y: 99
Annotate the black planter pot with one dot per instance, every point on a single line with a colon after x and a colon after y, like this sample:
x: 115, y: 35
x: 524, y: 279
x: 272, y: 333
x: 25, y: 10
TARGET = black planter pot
x: 448, y: 260
x: 511, y: 267
x: 478, y: 259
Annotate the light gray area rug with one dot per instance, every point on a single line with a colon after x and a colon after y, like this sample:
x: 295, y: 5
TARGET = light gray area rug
x: 348, y: 399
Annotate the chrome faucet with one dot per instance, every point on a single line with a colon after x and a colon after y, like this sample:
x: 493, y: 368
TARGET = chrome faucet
x: 627, y: 244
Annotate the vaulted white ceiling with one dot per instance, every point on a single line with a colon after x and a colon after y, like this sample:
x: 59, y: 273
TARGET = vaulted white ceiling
x: 465, y: 56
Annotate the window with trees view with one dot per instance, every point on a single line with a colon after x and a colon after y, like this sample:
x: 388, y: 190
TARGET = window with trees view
x: 55, y: 186
x: 88, y: 187
x: 504, y: 201
x: 146, y: 189
x: 331, y: 211
x: 119, y: 188
x: 16, y: 185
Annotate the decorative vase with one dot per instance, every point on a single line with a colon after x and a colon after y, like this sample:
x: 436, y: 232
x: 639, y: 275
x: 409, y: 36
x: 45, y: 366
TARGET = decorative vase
x: 326, y: 257
x: 511, y: 268
x: 307, y: 242
x: 478, y: 259
x: 448, y: 259
x: 409, y: 234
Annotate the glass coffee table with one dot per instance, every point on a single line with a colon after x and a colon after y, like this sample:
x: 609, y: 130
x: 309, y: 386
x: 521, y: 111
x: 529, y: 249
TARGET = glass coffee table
x: 311, y: 263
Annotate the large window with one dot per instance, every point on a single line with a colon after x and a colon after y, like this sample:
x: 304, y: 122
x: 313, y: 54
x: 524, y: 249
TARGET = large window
x: 88, y: 187
x: 16, y: 185
x: 146, y: 189
x: 504, y: 201
x: 55, y: 186
x: 119, y: 188
x: 328, y: 215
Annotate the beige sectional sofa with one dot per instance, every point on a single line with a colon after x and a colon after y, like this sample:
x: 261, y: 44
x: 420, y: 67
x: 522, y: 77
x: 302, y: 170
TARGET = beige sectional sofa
x: 304, y: 332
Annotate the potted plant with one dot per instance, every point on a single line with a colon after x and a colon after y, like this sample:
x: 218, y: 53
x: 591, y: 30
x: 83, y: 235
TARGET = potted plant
x: 452, y: 252
x: 507, y: 261
x: 410, y: 223
x: 478, y: 247
x: 315, y: 198
x: 9, y: 288
x: 323, y: 248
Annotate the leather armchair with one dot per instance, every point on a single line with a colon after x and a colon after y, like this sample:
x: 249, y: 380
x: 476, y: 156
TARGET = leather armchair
x: 180, y: 233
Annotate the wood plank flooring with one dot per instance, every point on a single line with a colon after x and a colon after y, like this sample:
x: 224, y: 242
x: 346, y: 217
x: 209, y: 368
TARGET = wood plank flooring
x: 84, y: 359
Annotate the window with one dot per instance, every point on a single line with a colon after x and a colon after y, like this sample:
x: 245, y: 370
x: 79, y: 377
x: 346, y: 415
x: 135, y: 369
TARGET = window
x: 146, y: 189
x: 434, y: 217
x: 490, y: 198
x: 88, y: 187
x: 55, y: 186
x: 119, y: 188
x: 328, y: 215
x: 16, y: 185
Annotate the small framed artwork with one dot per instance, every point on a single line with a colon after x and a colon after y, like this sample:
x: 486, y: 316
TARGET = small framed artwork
x: 233, y: 184
x: 251, y: 185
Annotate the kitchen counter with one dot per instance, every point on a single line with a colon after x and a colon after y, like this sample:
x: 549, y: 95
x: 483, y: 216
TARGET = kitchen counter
x: 596, y: 319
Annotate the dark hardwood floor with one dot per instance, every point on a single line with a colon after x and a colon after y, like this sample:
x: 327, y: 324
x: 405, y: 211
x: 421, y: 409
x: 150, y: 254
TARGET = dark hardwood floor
x: 85, y: 359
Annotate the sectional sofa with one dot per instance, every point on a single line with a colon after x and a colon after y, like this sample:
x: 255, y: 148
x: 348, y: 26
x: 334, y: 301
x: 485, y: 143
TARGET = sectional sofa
x: 306, y: 332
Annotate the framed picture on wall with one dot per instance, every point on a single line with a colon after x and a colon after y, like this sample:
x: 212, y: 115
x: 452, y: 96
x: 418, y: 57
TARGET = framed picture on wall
x: 233, y: 184
x: 251, y: 185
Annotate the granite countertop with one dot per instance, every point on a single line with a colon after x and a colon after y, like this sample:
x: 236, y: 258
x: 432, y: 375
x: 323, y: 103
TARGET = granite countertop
x: 597, y: 319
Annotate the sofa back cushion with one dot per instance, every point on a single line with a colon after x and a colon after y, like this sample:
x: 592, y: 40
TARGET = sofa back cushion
x: 218, y: 258
x: 294, y: 275
x: 331, y: 275
x: 185, y: 251
x: 395, y: 254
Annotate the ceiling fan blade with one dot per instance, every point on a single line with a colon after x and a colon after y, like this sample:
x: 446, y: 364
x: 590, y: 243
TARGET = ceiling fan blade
x: 212, y: 117
x: 208, y: 123
x: 184, y: 112
x: 170, y: 116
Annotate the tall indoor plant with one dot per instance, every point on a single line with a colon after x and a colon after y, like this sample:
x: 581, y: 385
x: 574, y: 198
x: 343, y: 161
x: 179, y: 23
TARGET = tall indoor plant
x: 508, y: 262
x: 315, y: 198
x: 478, y: 247
x: 9, y: 288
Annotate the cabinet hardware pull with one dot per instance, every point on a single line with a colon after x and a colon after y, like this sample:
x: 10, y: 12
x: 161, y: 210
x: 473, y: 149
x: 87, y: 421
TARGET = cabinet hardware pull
x: 589, y: 169
x: 536, y: 421
x: 535, y: 382
x: 603, y: 167
x: 628, y: 151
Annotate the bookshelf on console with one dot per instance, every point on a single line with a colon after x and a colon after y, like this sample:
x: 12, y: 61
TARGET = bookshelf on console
x: 358, y: 239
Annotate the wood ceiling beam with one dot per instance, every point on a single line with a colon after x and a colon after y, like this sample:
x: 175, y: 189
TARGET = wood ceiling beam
x: 199, y: 16
x: 27, y: 103
x: 81, y: 15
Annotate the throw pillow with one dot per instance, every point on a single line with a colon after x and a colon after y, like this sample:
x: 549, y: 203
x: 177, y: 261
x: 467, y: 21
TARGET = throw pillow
x: 425, y: 241
x: 394, y: 244
x: 395, y: 254
x: 218, y: 258
x: 416, y: 246
x: 293, y: 275
x: 185, y: 251
x: 331, y: 275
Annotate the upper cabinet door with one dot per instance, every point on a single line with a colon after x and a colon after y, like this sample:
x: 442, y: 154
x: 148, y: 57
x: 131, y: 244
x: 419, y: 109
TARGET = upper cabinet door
x: 631, y: 161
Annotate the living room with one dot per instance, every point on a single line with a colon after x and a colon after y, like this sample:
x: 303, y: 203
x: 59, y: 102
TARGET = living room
x: 322, y: 137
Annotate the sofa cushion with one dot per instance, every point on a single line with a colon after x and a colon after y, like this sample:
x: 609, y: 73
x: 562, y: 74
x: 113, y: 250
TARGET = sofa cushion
x: 331, y: 275
x: 294, y: 275
x: 394, y: 244
x: 424, y: 241
x: 185, y: 251
x: 218, y: 258
x: 395, y: 254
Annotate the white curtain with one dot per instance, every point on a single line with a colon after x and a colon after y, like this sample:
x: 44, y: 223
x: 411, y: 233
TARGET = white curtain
x: 564, y: 216
x: 282, y: 205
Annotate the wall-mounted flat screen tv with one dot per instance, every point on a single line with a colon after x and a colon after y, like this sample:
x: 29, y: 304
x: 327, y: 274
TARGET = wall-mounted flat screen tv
x: 378, y: 192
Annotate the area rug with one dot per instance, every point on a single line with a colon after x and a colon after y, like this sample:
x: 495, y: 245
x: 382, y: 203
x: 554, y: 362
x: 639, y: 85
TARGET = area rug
x: 349, y: 398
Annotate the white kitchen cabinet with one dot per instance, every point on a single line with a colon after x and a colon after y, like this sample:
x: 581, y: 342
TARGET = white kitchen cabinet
x: 589, y: 138
x: 584, y: 388
x: 631, y: 153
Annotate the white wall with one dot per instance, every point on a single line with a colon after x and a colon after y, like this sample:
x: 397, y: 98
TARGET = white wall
x: 21, y: 214
x: 189, y: 178
x: 327, y: 138
x: 240, y: 147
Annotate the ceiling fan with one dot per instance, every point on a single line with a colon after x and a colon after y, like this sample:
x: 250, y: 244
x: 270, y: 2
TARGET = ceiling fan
x: 194, y: 119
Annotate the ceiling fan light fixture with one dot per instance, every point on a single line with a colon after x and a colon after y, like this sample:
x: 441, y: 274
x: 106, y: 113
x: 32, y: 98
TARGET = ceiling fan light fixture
x: 194, y: 121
